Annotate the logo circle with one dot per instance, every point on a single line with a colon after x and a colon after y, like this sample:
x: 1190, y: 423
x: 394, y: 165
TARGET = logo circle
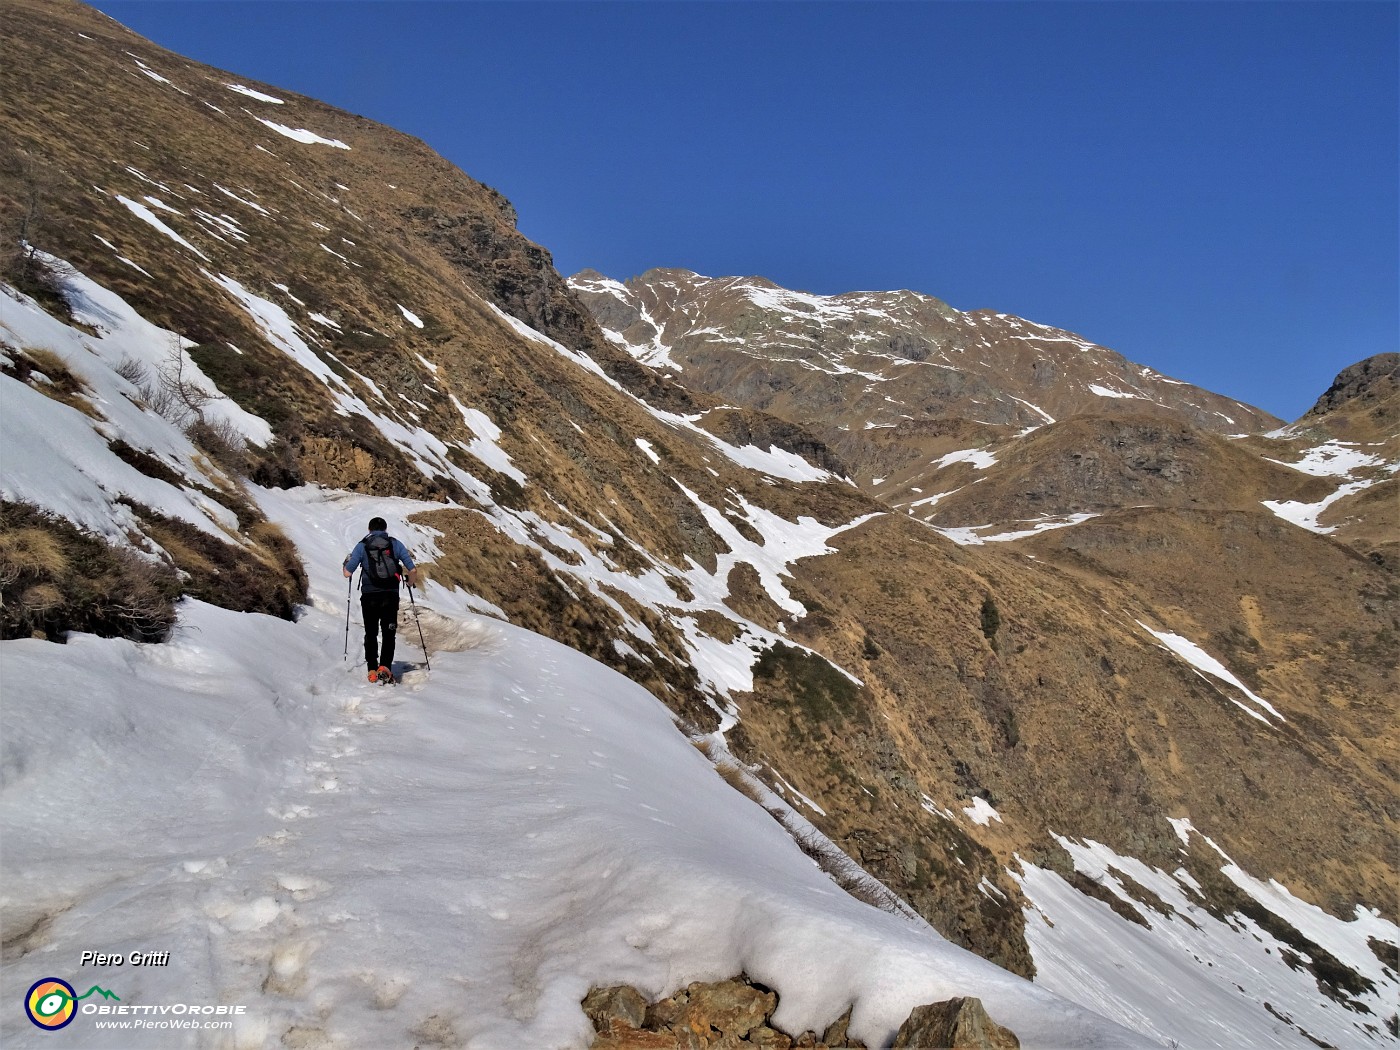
x: 51, y: 1003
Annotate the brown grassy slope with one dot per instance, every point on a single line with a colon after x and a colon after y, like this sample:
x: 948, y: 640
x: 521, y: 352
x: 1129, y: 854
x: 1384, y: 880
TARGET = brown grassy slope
x: 1092, y: 464
x: 80, y: 115
x: 1071, y: 718
x: 1369, y: 521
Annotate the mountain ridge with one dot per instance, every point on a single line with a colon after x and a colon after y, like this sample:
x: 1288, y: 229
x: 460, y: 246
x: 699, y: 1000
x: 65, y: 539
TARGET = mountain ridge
x: 691, y: 316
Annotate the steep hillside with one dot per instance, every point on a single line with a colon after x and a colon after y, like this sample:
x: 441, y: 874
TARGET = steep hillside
x: 228, y: 297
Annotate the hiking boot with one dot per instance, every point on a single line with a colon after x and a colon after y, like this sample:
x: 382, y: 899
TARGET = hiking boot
x: 374, y: 676
x: 384, y: 674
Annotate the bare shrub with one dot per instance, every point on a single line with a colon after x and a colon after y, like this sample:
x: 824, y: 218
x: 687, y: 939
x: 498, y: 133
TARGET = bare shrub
x: 222, y: 442
x: 145, y: 602
x: 133, y: 371
x: 163, y: 401
x: 171, y: 393
x: 173, y: 375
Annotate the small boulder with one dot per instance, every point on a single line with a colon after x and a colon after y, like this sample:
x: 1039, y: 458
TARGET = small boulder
x: 732, y: 1008
x: 837, y: 1037
x: 619, y: 1006
x: 624, y: 1038
x: 769, y: 1039
x: 957, y: 1024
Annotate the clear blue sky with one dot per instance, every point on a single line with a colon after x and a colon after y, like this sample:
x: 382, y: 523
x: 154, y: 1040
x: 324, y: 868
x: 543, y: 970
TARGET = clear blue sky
x: 1209, y: 188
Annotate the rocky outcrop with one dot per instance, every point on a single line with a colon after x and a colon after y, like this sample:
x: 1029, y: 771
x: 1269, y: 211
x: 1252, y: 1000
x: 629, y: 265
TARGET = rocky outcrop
x: 1362, y: 404
x: 720, y: 1014
x: 1368, y: 380
x: 738, y: 1013
x: 957, y: 1024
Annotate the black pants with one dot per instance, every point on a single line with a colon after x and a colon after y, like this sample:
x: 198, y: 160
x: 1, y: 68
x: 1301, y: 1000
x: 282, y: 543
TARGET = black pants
x: 381, y: 609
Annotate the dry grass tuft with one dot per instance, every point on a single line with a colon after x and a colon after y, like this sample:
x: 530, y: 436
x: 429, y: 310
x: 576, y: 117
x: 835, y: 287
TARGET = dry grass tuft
x: 45, y: 371
x: 31, y: 551
x: 56, y: 578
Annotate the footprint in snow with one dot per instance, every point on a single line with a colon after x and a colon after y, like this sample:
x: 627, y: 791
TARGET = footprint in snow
x: 385, y: 992
x: 244, y: 917
x: 303, y: 887
x: 286, y: 970
x: 293, y: 813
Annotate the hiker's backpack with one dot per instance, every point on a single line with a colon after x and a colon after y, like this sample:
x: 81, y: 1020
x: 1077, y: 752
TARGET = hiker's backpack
x: 381, y: 567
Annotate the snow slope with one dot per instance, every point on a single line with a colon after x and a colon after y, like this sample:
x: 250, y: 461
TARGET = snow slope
x: 1190, y: 976
x: 454, y: 860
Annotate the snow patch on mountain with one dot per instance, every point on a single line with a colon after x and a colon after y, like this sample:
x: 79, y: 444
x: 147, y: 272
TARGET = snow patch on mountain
x: 250, y: 93
x: 1206, y: 664
x: 982, y: 812
x: 1306, y: 515
x: 978, y: 457
x: 301, y: 134
x: 1332, y: 459
x: 120, y: 257
x: 1104, y: 391
x: 485, y: 444
x: 242, y: 200
x: 59, y: 458
x: 974, y: 535
x: 151, y: 219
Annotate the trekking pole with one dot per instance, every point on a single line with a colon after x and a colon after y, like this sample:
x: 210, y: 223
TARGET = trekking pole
x: 349, y: 581
x: 414, y: 604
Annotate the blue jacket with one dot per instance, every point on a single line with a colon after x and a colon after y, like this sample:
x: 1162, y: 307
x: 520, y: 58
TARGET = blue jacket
x: 357, y: 558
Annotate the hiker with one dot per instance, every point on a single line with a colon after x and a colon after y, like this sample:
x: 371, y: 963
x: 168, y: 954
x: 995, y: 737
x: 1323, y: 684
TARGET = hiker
x: 381, y: 559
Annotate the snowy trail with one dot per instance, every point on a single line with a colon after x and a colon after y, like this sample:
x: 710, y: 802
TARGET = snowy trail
x: 453, y: 861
